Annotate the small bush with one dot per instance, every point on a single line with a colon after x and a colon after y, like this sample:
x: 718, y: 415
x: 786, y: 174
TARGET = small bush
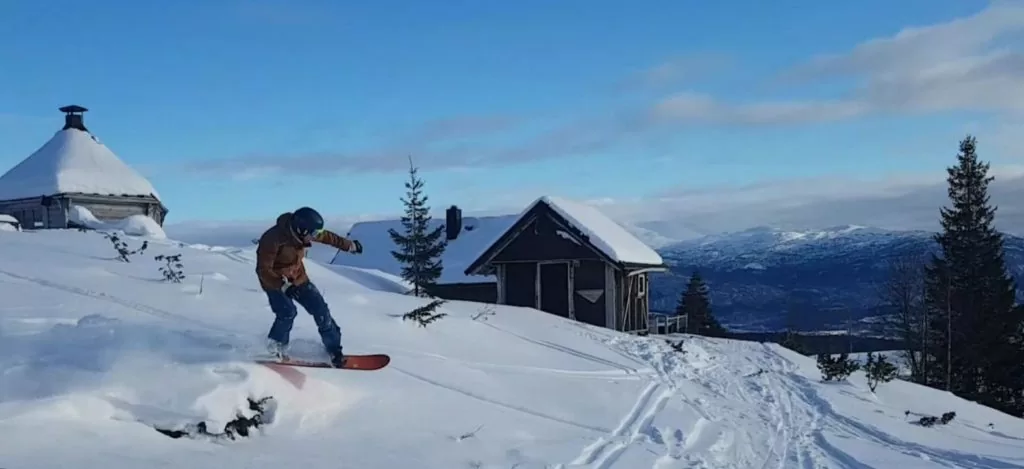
x: 425, y: 314
x: 483, y: 313
x: 836, y: 368
x: 122, y: 247
x: 879, y: 370
x: 931, y: 420
x: 171, y: 268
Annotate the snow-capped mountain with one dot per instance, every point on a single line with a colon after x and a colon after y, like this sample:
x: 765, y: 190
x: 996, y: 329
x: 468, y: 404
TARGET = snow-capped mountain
x: 766, y: 277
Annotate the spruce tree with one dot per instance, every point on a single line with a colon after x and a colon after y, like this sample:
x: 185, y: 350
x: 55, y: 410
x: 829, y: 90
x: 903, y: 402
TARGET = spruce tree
x: 419, y: 247
x: 695, y: 304
x: 973, y: 349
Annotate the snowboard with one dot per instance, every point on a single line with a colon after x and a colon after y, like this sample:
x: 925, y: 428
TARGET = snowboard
x: 368, y: 362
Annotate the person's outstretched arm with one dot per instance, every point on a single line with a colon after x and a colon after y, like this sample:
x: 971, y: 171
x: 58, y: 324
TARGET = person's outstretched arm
x: 337, y: 241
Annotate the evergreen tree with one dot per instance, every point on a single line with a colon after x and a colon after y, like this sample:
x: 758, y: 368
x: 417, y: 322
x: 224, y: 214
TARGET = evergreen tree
x: 973, y: 348
x: 419, y: 247
x: 695, y: 304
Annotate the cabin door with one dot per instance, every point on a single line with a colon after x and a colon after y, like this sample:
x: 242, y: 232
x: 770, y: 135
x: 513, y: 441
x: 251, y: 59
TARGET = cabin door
x: 554, y: 287
x: 520, y: 284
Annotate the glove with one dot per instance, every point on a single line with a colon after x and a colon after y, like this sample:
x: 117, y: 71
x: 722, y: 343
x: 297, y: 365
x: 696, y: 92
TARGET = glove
x: 356, y: 247
x: 286, y: 285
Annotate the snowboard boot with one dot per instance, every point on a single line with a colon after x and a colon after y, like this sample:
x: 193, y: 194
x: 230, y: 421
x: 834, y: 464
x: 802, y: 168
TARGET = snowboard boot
x: 277, y: 349
x: 337, y: 358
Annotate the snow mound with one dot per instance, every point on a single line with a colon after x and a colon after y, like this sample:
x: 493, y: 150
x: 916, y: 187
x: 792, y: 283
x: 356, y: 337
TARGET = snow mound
x: 134, y: 225
x: 95, y: 354
x: 73, y: 161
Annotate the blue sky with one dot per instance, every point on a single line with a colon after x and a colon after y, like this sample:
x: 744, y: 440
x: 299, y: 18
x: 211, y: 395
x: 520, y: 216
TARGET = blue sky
x: 241, y: 110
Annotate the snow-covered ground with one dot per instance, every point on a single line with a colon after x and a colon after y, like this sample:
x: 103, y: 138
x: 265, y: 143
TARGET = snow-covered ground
x: 95, y: 351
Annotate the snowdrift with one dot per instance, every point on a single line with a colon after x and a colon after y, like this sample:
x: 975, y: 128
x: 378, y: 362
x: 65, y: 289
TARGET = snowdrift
x: 134, y: 225
x: 95, y: 353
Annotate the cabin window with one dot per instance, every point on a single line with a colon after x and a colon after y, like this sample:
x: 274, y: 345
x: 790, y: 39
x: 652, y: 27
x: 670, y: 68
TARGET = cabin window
x: 641, y: 285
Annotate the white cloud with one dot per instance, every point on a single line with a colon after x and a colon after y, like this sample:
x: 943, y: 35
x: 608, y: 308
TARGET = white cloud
x: 967, y: 64
x: 904, y: 202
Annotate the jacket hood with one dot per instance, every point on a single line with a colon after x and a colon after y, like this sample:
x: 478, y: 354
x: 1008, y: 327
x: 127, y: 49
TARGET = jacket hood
x: 282, y: 224
x: 282, y: 220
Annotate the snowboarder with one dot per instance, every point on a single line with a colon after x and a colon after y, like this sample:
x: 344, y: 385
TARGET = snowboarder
x: 283, y: 278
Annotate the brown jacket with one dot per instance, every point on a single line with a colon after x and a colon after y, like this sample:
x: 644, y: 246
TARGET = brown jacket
x: 280, y: 253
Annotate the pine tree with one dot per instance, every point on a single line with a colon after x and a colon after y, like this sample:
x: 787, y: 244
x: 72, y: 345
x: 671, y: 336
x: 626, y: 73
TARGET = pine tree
x: 419, y: 247
x: 695, y: 304
x: 973, y: 325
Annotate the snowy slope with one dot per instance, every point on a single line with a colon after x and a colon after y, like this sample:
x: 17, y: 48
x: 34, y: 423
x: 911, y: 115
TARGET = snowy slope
x: 73, y: 161
x: 94, y: 351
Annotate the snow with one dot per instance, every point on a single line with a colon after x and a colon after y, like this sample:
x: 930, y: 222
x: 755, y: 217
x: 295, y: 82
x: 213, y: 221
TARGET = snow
x: 73, y: 161
x: 95, y: 351
x: 8, y: 223
x: 610, y: 237
x: 477, y: 235
x: 134, y: 225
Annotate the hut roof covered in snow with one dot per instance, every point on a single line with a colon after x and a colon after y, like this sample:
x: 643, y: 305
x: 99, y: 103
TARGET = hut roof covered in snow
x: 73, y: 161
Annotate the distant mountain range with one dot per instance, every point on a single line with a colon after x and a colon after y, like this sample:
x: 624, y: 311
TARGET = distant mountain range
x: 764, y: 278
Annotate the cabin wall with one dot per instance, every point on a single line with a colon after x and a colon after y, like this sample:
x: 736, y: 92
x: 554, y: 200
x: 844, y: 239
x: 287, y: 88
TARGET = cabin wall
x: 52, y: 212
x: 110, y: 208
x: 33, y: 215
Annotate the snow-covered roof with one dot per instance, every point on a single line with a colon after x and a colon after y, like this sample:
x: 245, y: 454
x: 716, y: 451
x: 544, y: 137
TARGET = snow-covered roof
x: 5, y: 218
x: 73, y: 161
x: 614, y: 240
x: 477, y: 234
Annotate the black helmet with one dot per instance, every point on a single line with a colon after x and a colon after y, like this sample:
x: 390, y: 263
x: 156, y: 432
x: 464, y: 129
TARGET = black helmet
x: 306, y: 221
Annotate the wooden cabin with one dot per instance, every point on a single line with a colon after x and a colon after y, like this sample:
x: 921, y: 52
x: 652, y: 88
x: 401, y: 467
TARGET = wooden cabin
x: 569, y: 259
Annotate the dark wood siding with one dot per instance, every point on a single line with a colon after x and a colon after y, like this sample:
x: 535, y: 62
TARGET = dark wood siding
x: 520, y: 284
x: 554, y: 288
x: 51, y: 212
x: 485, y: 292
x: 589, y: 305
x: 541, y: 241
x: 633, y: 316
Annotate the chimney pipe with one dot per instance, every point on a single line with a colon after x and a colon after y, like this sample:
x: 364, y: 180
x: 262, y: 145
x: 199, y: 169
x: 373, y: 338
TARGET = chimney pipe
x: 453, y: 222
x: 73, y: 118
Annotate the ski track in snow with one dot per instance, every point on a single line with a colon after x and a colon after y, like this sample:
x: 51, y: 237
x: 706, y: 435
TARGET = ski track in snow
x: 634, y: 426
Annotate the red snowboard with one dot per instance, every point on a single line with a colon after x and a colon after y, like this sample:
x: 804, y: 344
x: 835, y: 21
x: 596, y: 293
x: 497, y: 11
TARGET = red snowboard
x: 352, y: 362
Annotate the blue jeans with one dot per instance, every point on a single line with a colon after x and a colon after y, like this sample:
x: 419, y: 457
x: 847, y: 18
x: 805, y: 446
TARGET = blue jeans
x: 313, y: 302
